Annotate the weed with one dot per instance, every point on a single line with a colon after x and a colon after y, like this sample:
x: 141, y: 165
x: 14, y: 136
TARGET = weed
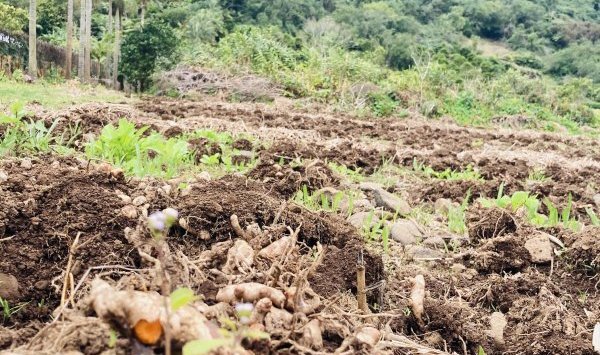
x: 129, y: 148
x: 538, y: 175
x: 468, y: 174
x: 8, y: 311
x: 593, y: 217
x: 323, y: 202
x: 22, y: 136
x: 350, y: 174
x: 457, y: 216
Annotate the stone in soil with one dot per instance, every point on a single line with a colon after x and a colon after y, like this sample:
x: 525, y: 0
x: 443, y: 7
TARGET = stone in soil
x: 422, y: 252
x: 359, y: 219
x: 9, y: 287
x: 540, y: 249
x: 386, y: 199
x: 406, y: 232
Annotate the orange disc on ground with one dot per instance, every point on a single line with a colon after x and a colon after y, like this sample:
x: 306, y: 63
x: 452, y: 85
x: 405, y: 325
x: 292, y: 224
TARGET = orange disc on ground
x: 148, y: 333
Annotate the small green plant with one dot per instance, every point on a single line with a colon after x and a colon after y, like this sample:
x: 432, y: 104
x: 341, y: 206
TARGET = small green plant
x: 140, y: 154
x: 378, y: 231
x: 324, y: 202
x: 354, y: 175
x: 469, y: 174
x: 538, y: 175
x: 564, y: 218
x: 457, y: 216
x: 22, y: 136
x: 8, y: 311
x: 593, y: 217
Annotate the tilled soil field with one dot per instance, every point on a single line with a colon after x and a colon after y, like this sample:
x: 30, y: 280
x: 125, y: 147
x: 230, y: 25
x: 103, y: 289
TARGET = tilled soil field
x: 81, y: 272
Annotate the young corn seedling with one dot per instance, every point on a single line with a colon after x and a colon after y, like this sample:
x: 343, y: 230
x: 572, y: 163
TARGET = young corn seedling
x: 457, y: 216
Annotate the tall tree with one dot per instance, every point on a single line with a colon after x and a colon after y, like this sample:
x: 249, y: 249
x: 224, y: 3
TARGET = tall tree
x: 117, y: 50
x: 109, y: 30
x: 32, y: 39
x: 81, y: 62
x: 88, y: 40
x: 69, y: 54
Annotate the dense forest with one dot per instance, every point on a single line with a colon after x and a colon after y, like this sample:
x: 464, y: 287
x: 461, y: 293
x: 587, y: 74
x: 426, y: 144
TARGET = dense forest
x: 475, y: 61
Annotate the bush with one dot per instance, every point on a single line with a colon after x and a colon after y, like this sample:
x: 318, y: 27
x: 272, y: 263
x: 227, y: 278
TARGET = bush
x: 143, y: 49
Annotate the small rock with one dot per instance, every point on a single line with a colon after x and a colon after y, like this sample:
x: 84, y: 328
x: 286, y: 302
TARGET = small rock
x: 167, y: 189
x: 9, y: 287
x: 3, y: 176
x: 126, y: 199
x: 41, y: 285
x: 406, y: 232
x: 458, y: 268
x: 359, y: 219
x: 596, y: 199
x: 540, y: 249
x: 497, y: 324
x: 140, y: 200
x: 358, y: 205
x: 26, y: 163
x: 129, y: 211
x: 422, y: 252
x: 391, y: 202
x: 435, y: 242
x: 205, y: 175
x: 55, y: 164
x: 442, y: 206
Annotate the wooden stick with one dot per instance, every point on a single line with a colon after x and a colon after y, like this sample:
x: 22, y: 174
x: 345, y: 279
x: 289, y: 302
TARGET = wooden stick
x: 361, y: 285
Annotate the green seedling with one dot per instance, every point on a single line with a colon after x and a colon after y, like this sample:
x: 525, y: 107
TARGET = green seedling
x: 8, y: 310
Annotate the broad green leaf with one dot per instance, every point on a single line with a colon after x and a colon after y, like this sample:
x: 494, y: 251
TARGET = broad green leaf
x: 204, y: 346
x: 181, y: 298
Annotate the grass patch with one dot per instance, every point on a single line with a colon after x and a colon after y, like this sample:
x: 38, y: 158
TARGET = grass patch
x: 56, y: 95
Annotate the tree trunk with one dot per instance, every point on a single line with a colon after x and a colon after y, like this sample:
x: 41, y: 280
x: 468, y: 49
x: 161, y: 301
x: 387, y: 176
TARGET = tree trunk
x: 88, y: 41
x: 69, y: 58
x: 81, y: 63
x: 117, y: 50
x: 142, y: 11
x: 109, y: 30
x: 32, y: 69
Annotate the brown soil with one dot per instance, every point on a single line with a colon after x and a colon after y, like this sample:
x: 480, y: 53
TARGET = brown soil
x: 549, y: 307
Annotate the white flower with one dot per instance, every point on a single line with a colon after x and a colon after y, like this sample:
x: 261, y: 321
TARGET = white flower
x: 157, y: 222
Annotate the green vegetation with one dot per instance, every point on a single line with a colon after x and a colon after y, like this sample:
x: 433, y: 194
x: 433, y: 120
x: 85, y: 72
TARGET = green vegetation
x: 457, y: 216
x: 324, y: 201
x: 448, y: 174
x: 54, y: 95
x: 531, y: 205
x: 475, y: 61
x: 141, y: 153
x: 8, y: 310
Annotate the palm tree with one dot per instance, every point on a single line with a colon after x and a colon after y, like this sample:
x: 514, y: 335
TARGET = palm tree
x: 109, y: 30
x: 69, y: 58
x: 32, y: 39
x: 81, y: 62
x: 88, y: 40
x: 117, y: 51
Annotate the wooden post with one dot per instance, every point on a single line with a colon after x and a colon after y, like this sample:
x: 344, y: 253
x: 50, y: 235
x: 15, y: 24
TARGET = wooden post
x: 361, y: 284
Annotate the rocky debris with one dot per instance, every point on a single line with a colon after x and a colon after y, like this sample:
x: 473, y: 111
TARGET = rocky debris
x: 406, y: 232
x: 129, y: 211
x: 540, y: 249
x: 26, y: 163
x: 3, y: 176
x: 442, y: 206
x: 9, y: 287
x: 359, y: 219
x: 436, y: 242
x: 386, y: 199
x: 140, y: 200
x: 596, y: 199
x: 497, y: 324
x: 422, y: 252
